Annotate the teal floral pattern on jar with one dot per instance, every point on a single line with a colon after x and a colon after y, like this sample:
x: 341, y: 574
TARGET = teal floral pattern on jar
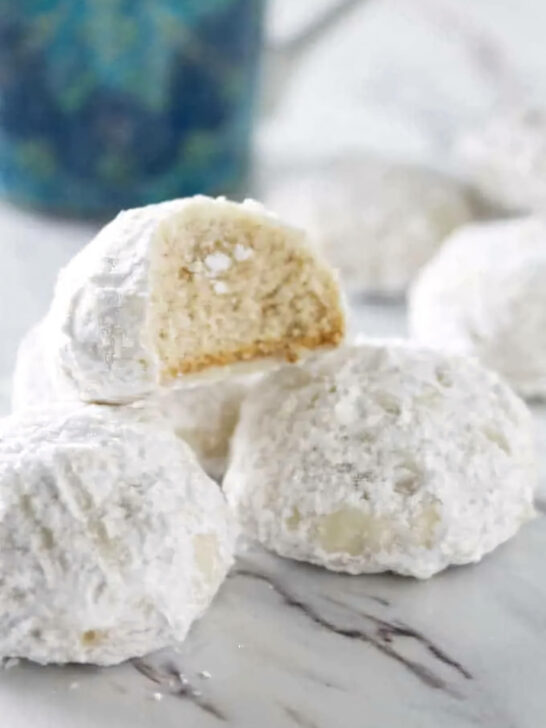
x: 106, y: 104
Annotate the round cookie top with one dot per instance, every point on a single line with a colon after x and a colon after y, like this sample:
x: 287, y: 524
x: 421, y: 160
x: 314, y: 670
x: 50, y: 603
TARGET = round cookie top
x: 377, y: 221
x: 112, y: 538
x: 484, y: 294
x: 384, y: 456
x: 186, y: 288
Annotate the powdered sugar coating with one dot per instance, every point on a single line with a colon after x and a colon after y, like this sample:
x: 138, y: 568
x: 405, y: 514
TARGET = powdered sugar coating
x: 112, y: 539
x: 383, y: 456
x: 506, y: 159
x: 376, y: 221
x: 204, y: 415
x: 96, y: 327
x: 33, y: 383
x: 484, y: 294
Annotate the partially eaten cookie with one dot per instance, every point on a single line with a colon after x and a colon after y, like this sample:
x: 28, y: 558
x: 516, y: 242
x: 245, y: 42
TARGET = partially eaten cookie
x: 185, y: 287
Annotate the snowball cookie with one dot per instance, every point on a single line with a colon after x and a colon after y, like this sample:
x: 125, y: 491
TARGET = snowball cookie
x: 506, y: 159
x: 33, y: 384
x: 174, y: 289
x: 484, y: 294
x: 203, y: 415
x: 112, y: 538
x: 376, y: 221
x: 382, y: 457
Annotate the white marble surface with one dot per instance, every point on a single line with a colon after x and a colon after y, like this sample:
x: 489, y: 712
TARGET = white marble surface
x: 286, y: 644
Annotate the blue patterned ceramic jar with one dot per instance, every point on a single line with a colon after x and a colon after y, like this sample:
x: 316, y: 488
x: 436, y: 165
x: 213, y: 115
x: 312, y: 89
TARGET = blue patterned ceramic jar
x: 106, y: 104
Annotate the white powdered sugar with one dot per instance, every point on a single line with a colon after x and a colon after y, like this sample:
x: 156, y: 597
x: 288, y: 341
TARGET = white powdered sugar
x: 484, y: 294
x: 220, y: 287
x: 242, y: 252
x: 96, y: 327
x: 217, y: 262
x: 33, y: 383
x: 384, y: 456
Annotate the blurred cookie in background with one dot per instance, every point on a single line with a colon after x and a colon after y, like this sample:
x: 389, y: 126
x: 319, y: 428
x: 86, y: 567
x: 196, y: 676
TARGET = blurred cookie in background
x: 484, y: 295
x: 377, y: 221
x: 505, y: 159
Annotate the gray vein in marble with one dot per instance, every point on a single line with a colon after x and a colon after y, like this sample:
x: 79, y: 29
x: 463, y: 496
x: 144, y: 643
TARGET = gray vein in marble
x: 313, y: 677
x: 388, y: 631
x: 383, y: 638
x: 119, y: 688
x: 297, y: 717
x: 168, y: 678
x: 540, y: 505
